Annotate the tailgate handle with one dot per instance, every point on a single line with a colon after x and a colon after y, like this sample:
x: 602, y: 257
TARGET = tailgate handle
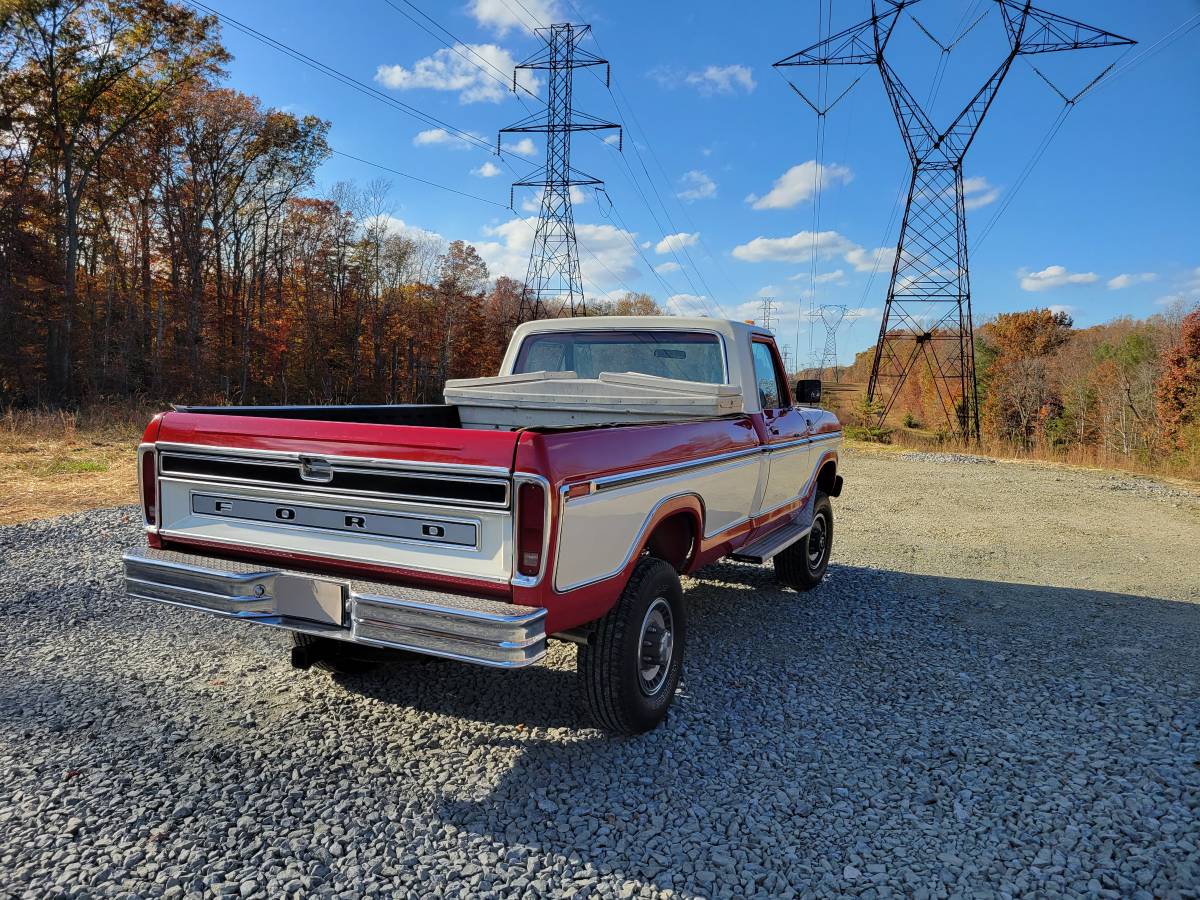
x: 313, y: 468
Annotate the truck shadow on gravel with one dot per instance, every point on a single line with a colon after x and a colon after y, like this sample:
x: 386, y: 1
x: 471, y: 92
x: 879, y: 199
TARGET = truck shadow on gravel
x: 918, y: 731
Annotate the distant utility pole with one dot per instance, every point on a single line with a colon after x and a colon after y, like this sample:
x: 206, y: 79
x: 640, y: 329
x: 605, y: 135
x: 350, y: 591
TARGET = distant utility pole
x: 927, y: 316
x: 553, y: 282
x: 766, y: 312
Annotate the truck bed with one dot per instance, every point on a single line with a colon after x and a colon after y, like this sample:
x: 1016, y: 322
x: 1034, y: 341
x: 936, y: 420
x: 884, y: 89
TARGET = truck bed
x: 434, y: 415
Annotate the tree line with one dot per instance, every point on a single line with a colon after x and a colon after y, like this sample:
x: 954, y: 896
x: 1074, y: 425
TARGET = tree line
x: 159, y: 237
x: 1128, y: 389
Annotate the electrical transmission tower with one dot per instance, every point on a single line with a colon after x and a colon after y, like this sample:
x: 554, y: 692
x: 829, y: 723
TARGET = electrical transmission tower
x: 832, y: 315
x: 553, y: 282
x: 766, y: 312
x: 927, y: 316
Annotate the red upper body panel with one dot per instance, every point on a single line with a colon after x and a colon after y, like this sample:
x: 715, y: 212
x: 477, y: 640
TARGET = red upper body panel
x: 453, y: 446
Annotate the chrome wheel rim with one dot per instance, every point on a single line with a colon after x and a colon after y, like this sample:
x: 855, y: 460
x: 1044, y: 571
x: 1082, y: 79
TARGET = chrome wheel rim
x: 656, y: 647
x: 818, y: 542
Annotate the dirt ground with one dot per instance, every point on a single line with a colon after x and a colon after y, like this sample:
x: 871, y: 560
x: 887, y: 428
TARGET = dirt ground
x: 55, y: 477
x: 1024, y: 523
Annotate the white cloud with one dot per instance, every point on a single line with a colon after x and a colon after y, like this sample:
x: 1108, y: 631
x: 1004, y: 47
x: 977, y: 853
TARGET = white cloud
x: 721, y: 79
x: 1061, y: 308
x: 466, y: 69
x: 828, y: 244
x: 708, y: 81
x: 504, y: 15
x: 696, y: 186
x: 523, y: 147
x: 826, y: 277
x: 673, y: 242
x: 1124, y: 280
x: 434, y: 136
x: 613, y: 139
x: 800, y: 183
x: 687, y: 305
x: 1053, y: 277
x: 1188, y: 292
x: 978, y: 192
x: 607, y: 253
x: 665, y: 268
x: 392, y: 225
x: 488, y: 170
x: 533, y: 202
x: 796, y: 248
x: 879, y: 260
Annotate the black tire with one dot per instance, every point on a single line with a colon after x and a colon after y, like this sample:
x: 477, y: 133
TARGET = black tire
x: 341, y: 657
x: 623, y: 690
x: 803, y: 565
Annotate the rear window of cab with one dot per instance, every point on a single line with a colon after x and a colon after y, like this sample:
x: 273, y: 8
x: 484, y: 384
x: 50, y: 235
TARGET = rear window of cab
x: 685, y: 355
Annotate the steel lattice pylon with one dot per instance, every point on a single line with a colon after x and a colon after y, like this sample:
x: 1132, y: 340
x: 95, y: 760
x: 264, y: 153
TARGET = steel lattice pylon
x: 927, y: 316
x: 553, y: 282
x: 832, y: 315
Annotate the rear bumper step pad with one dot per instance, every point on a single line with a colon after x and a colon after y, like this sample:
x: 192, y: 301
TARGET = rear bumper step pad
x: 472, y: 629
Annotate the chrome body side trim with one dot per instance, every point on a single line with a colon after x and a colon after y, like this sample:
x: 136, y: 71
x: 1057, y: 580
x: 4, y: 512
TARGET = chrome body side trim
x: 624, y: 479
x: 471, y: 629
x: 287, y: 456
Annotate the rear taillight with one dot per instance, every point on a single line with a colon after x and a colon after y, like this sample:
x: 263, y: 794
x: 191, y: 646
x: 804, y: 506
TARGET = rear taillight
x: 147, y: 472
x: 531, y: 527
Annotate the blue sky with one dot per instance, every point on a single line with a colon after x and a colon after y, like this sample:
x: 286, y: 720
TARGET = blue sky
x: 1104, y: 225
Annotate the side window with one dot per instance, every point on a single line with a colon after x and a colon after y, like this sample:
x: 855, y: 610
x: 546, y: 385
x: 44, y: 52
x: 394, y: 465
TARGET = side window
x: 772, y: 392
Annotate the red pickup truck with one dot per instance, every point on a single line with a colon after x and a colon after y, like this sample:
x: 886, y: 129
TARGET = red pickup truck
x: 650, y: 448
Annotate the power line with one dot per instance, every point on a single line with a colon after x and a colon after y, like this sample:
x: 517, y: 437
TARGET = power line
x: 927, y: 317
x: 417, y: 178
x: 347, y: 80
x: 629, y: 115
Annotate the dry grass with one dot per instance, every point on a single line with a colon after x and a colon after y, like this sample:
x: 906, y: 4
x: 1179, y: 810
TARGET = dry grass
x: 58, y: 462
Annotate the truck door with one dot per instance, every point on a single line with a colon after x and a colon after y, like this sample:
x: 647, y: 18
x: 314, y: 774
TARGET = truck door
x: 787, y: 464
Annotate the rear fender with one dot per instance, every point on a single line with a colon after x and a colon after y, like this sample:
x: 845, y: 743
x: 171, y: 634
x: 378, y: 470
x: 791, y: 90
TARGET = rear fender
x: 589, y: 602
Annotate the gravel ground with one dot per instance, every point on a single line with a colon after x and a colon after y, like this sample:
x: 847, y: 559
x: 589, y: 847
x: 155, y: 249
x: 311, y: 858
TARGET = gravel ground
x: 996, y: 692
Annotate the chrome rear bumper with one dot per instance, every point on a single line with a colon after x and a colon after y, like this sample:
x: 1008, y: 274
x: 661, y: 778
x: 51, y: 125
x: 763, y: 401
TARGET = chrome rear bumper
x: 472, y: 629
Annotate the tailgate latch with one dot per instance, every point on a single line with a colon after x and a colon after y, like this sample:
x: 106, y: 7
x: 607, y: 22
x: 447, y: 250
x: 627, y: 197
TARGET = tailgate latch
x: 313, y: 468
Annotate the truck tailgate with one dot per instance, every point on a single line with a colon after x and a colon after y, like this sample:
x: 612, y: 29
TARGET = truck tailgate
x: 410, y: 501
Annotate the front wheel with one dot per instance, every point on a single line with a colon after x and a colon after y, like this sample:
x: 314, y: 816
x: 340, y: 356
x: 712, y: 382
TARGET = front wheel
x: 630, y: 668
x: 803, y: 564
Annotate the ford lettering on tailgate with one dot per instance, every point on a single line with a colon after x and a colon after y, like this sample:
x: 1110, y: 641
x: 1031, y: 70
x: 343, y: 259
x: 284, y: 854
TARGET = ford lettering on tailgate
x: 386, y: 525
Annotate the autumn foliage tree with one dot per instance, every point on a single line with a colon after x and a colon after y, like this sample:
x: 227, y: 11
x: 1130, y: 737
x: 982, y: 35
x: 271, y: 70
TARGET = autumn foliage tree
x: 1178, y: 389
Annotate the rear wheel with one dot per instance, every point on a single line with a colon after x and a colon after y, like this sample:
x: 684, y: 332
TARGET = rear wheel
x: 803, y: 564
x: 630, y: 668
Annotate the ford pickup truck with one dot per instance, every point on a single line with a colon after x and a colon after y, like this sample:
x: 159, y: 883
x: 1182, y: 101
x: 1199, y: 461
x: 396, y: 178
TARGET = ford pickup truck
x: 661, y: 445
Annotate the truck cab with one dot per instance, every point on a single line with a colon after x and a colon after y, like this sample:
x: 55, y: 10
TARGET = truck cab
x: 561, y: 499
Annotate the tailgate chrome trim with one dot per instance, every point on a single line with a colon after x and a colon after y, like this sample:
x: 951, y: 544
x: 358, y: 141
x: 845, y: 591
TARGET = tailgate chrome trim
x: 471, y: 629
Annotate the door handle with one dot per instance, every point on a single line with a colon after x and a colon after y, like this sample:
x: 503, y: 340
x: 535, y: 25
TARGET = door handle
x: 774, y: 430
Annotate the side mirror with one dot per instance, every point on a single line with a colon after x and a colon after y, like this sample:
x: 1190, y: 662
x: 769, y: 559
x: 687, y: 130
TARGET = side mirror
x: 808, y: 391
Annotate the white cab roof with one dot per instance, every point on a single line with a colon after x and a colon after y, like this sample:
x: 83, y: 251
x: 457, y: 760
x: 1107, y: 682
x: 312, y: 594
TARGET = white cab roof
x: 736, y: 337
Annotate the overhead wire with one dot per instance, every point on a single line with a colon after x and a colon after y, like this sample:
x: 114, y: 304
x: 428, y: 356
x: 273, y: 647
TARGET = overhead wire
x: 361, y: 87
x: 418, y: 178
x: 1110, y: 73
x: 455, y: 47
x: 704, y: 292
